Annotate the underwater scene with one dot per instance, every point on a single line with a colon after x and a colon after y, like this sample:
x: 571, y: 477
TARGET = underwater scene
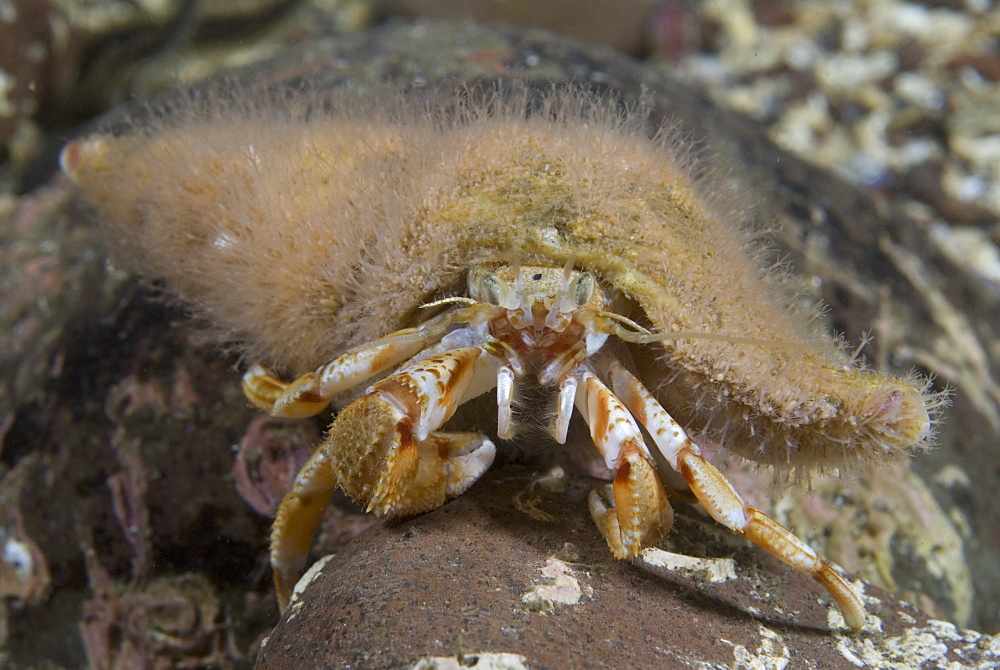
x: 403, y: 334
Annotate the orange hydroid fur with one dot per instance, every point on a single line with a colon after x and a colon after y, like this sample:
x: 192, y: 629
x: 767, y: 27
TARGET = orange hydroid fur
x: 306, y: 225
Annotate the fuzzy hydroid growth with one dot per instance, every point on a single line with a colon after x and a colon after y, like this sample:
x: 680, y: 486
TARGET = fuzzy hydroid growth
x: 306, y: 226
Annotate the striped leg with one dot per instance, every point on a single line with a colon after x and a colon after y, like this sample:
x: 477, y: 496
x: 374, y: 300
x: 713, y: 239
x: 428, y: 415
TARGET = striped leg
x: 633, y: 512
x: 722, y: 501
x: 312, y: 392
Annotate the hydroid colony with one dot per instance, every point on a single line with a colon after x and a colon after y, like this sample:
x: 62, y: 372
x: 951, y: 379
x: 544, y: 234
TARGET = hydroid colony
x: 310, y: 226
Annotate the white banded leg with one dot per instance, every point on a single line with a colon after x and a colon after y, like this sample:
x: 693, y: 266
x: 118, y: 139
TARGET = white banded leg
x: 312, y: 392
x: 633, y: 511
x: 722, y: 501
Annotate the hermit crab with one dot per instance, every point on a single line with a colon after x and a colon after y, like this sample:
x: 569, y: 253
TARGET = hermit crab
x: 399, y: 253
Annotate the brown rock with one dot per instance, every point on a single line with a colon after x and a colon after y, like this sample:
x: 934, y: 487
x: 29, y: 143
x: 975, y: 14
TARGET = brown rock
x: 512, y: 567
x: 622, y: 25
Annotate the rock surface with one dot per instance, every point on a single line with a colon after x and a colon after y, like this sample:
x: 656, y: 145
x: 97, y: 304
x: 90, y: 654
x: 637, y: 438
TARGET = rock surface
x: 516, y: 567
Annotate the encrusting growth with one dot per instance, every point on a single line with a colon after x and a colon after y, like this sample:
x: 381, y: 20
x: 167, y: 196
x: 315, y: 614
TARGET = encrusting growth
x: 332, y: 236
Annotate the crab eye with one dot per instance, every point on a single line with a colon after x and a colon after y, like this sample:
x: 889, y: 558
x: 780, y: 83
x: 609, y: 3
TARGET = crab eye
x: 582, y: 289
x: 493, y: 290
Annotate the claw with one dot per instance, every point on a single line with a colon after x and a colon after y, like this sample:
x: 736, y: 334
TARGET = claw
x: 633, y: 512
x: 637, y: 513
x: 384, y: 452
x: 448, y: 464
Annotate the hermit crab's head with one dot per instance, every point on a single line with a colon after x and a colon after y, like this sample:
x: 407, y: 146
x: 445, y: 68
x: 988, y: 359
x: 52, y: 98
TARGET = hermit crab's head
x: 542, y: 323
x: 539, y: 297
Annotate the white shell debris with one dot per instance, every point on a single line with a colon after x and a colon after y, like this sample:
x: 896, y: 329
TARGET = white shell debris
x: 563, y: 589
x: 484, y: 661
x: 714, y: 570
